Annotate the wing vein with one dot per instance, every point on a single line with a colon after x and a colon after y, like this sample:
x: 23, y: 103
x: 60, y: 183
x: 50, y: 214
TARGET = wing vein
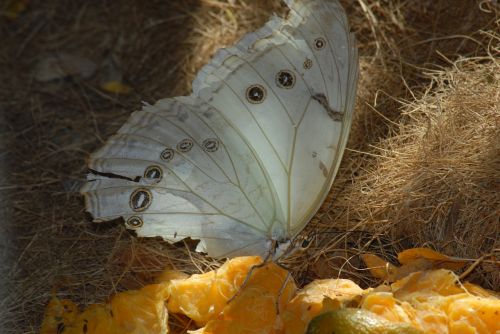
x: 234, y: 168
x: 255, y: 120
x: 195, y: 194
x: 270, y: 87
x: 166, y: 118
x: 179, y: 153
x: 257, y: 159
x: 333, y: 57
x: 263, y: 172
x: 220, y: 141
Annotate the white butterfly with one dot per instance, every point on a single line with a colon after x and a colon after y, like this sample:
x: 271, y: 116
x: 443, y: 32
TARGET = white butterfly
x: 245, y: 161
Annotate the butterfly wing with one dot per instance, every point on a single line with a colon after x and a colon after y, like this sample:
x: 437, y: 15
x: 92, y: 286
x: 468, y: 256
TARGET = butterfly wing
x: 177, y: 170
x: 251, y: 154
x: 290, y: 89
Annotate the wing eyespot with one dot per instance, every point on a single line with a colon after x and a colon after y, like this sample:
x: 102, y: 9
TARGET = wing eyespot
x: 285, y: 79
x: 140, y: 199
x: 319, y: 43
x: 211, y: 145
x: 167, y: 154
x: 308, y: 63
x: 185, y: 145
x: 134, y: 222
x: 256, y: 94
x: 153, y: 172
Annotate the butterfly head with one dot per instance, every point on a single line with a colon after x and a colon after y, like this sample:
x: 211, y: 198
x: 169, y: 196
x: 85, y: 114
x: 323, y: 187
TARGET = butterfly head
x: 288, y: 247
x: 280, y: 248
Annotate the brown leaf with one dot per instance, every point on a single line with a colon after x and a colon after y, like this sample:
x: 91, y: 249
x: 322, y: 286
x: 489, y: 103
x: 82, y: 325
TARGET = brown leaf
x: 116, y: 87
x: 412, y: 254
x: 378, y: 267
x: 418, y: 264
x: 15, y: 8
x: 438, y: 260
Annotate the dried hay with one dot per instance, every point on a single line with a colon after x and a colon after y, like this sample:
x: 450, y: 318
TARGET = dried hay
x: 434, y: 182
x: 422, y: 166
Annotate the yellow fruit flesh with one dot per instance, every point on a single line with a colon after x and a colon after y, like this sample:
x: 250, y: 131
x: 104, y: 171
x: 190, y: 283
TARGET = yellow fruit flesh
x: 58, y: 314
x: 203, y: 296
x: 431, y: 301
x: 133, y: 312
x: 436, y: 303
x: 255, y: 310
x: 474, y: 315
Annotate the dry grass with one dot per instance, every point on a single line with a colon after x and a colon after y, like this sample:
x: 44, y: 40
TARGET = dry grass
x: 435, y: 181
x: 422, y: 166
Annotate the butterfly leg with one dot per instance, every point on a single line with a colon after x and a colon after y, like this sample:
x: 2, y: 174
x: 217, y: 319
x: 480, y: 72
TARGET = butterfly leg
x: 280, y: 292
x: 282, y: 266
x: 256, y: 266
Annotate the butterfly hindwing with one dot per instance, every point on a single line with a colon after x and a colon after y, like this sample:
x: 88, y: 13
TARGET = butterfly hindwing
x: 214, y: 181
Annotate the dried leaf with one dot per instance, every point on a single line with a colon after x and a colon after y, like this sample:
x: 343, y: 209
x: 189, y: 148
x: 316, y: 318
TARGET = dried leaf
x: 412, y: 254
x: 116, y: 87
x: 412, y: 260
x: 15, y: 7
x: 419, y: 264
x: 112, y: 76
x: 476, y: 290
x: 378, y: 267
x: 438, y: 260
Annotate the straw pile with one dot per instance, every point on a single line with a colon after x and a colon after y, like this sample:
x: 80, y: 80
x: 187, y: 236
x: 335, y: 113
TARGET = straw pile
x: 422, y: 166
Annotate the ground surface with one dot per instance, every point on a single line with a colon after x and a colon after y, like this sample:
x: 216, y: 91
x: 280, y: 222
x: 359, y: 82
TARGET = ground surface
x: 47, y: 243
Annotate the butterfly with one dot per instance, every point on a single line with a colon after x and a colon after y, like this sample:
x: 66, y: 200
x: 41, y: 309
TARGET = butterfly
x: 244, y: 162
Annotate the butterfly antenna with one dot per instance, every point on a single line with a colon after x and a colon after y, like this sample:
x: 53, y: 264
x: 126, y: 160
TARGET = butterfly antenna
x: 339, y: 232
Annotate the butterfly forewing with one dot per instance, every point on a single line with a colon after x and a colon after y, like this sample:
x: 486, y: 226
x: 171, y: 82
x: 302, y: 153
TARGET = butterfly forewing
x: 315, y: 50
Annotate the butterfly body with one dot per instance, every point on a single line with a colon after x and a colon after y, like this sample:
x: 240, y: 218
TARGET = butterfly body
x: 245, y: 161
